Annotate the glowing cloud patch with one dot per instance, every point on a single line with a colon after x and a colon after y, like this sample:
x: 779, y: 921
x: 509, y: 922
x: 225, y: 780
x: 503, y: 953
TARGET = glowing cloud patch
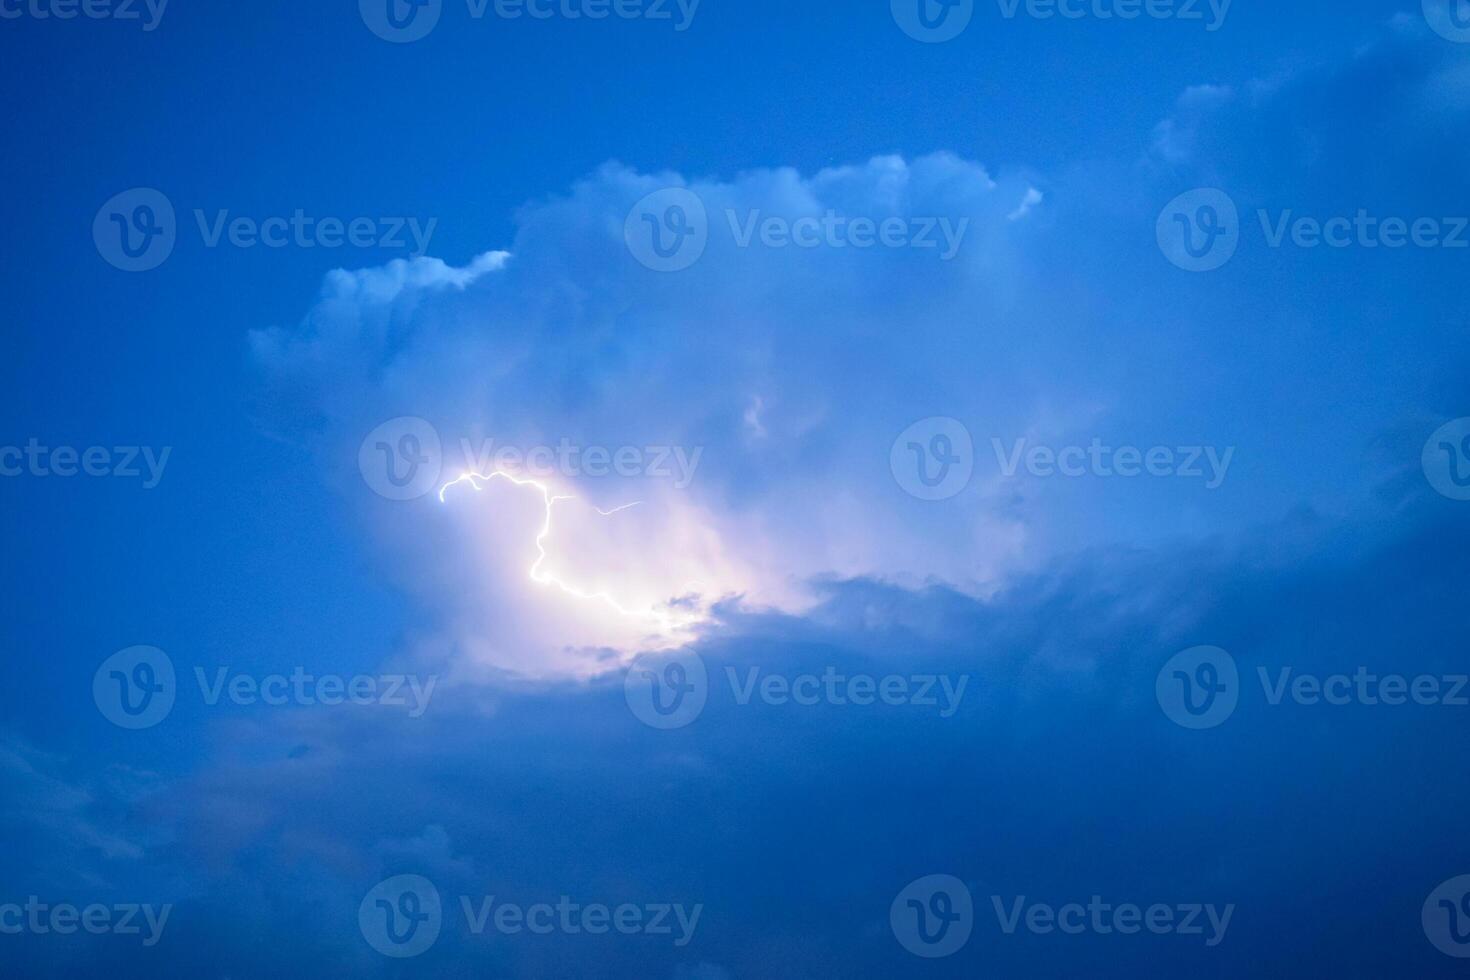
x: 664, y: 621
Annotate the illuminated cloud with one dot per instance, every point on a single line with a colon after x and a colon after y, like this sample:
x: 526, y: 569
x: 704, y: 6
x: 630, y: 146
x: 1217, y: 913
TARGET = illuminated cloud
x: 784, y: 373
x: 763, y: 372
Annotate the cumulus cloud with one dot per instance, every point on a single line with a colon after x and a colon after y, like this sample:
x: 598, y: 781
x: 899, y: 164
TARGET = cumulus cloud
x: 783, y: 373
x: 773, y: 376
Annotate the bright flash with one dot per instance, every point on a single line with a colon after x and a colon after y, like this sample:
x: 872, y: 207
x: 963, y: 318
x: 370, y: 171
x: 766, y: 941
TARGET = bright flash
x: 662, y: 619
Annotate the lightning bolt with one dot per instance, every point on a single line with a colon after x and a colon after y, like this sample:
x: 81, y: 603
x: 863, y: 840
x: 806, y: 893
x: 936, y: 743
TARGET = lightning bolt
x: 665, y: 621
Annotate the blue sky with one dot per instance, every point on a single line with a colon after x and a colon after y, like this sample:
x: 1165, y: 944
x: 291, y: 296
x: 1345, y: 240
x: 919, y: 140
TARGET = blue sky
x: 769, y: 393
